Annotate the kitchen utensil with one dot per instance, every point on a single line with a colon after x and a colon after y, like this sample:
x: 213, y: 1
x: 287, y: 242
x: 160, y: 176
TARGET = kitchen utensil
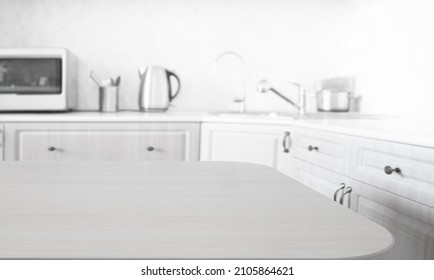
x: 96, y: 79
x: 118, y: 81
x: 155, y: 93
x: 333, y: 101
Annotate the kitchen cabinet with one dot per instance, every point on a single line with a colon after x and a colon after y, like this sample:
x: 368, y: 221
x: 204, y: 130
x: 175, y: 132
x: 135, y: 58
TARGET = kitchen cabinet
x: 260, y: 144
x: 393, y: 185
x: 101, y: 141
x: 361, y: 174
x: 411, y: 223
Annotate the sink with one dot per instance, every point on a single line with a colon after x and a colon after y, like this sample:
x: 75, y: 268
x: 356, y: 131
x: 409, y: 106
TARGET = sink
x: 311, y: 116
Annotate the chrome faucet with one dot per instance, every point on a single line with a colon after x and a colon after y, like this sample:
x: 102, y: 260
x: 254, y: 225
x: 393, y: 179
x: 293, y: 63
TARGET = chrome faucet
x: 241, y: 99
x: 264, y: 86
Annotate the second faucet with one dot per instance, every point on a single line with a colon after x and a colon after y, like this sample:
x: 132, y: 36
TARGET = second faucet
x: 264, y: 86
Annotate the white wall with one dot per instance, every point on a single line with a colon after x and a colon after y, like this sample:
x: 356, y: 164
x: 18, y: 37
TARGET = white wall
x: 387, y: 44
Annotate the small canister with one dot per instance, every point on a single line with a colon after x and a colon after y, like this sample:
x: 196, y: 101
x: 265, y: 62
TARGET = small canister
x: 108, y: 98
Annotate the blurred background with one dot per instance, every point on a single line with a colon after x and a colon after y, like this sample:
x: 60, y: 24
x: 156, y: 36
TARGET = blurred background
x: 387, y: 45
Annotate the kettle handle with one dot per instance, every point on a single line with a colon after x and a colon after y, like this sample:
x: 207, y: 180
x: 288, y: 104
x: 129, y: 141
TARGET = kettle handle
x: 169, y: 73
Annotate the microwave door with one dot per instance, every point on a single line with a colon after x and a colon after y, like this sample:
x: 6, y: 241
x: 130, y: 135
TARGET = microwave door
x: 30, y: 76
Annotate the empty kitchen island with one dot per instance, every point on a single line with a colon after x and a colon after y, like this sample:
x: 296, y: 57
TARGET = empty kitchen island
x: 173, y: 210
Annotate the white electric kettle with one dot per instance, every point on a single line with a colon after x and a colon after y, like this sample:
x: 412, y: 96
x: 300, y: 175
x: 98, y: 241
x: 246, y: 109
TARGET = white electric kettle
x: 155, y: 93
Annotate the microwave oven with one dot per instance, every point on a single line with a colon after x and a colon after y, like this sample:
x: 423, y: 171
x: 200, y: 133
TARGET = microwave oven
x: 37, y: 79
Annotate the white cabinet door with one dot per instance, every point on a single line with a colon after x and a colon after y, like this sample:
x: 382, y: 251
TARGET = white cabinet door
x: 260, y: 144
x: 411, y: 223
x: 102, y: 141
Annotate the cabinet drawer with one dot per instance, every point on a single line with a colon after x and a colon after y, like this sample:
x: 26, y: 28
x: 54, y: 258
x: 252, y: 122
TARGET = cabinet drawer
x: 104, y: 142
x: 415, y: 179
x: 325, y: 149
x: 319, y: 179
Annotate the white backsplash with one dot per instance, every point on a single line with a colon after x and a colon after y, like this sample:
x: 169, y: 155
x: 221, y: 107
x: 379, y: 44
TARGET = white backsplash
x: 387, y: 45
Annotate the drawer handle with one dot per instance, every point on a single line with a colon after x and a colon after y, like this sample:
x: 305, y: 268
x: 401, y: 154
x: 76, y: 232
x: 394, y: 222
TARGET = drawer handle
x: 312, y: 148
x: 389, y: 170
x: 51, y: 149
x: 150, y: 148
x: 348, y: 190
x: 285, y: 140
x: 337, y: 191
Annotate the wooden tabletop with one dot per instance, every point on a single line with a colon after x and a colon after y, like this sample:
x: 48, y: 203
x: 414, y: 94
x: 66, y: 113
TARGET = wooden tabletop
x: 173, y: 210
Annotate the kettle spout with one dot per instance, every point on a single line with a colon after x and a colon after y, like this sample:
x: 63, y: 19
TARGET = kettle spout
x: 142, y: 72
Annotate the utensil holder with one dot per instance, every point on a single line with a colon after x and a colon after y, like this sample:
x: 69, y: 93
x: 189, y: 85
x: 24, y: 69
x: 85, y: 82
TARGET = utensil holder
x: 108, y: 98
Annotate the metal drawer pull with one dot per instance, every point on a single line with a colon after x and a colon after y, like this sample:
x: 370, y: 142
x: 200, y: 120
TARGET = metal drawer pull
x: 337, y: 191
x: 51, y: 149
x: 347, y: 191
x: 150, y: 148
x: 286, y: 140
x: 389, y: 170
x: 311, y: 148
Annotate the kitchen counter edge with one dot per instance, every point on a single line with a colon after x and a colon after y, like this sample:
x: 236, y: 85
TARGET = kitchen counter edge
x: 394, y: 129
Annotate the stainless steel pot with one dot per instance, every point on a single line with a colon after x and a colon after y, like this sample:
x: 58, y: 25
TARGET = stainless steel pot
x: 333, y: 101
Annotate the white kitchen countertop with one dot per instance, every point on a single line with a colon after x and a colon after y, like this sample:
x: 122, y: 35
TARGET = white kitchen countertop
x: 173, y: 210
x: 402, y: 130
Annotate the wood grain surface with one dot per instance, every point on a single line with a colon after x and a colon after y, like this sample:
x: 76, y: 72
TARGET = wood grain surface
x: 173, y: 210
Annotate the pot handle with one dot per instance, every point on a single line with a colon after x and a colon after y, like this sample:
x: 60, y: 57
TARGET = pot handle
x: 169, y: 73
